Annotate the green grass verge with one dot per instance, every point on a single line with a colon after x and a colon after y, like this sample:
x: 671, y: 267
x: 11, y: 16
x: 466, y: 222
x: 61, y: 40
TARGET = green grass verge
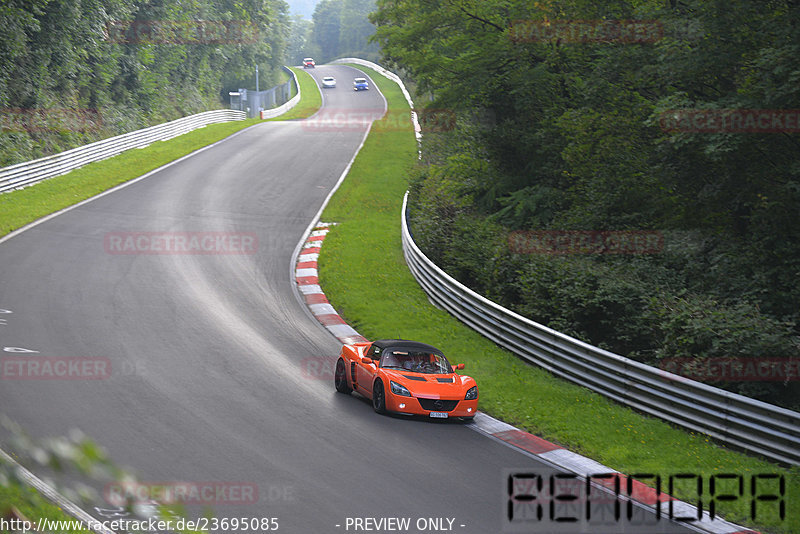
x: 310, y: 101
x: 283, y: 77
x: 364, y: 275
x: 32, y: 505
x: 18, y: 208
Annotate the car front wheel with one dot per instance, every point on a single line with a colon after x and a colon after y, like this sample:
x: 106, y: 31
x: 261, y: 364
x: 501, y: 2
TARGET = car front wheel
x: 379, y: 397
x: 340, y: 377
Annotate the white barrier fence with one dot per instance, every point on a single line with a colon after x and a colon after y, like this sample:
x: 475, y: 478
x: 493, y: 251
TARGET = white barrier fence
x: 283, y: 108
x: 32, y: 172
x: 392, y: 76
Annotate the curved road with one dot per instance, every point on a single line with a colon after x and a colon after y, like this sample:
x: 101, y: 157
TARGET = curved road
x: 209, y: 352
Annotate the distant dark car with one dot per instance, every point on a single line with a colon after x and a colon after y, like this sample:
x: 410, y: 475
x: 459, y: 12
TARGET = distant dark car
x: 359, y: 84
x: 308, y: 63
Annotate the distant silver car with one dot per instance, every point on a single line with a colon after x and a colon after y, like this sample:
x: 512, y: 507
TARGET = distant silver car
x: 328, y: 81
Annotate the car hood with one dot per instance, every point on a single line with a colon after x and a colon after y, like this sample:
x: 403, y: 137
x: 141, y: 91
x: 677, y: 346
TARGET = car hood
x: 432, y: 386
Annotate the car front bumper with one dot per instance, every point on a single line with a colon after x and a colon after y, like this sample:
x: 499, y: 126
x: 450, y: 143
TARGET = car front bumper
x: 413, y: 406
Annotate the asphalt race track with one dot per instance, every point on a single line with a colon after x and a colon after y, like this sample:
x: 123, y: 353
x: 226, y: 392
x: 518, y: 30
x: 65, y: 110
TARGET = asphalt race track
x: 209, y: 352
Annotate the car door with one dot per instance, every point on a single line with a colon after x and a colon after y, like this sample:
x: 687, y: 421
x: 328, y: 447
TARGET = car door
x: 365, y: 372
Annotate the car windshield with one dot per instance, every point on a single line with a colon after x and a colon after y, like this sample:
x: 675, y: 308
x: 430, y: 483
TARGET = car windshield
x: 361, y: 80
x: 327, y: 79
x: 416, y: 362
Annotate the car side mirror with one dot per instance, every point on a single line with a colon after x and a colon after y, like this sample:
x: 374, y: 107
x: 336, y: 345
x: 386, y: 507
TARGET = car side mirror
x: 458, y: 367
x: 367, y: 361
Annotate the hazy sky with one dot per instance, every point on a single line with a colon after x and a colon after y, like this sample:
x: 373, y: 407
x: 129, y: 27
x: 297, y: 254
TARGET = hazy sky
x: 302, y: 7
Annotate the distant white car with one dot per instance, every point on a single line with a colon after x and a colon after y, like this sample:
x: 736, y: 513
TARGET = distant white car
x: 328, y: 81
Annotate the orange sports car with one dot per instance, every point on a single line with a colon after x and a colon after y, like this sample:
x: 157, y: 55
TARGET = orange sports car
x: 406, y: 377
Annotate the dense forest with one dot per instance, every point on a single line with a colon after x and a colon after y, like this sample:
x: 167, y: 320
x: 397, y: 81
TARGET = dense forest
x: 72, y: 72
x: 572, y: 119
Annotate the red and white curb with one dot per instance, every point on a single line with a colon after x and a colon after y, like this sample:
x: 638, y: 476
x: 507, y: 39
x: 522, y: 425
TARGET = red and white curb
x: 307, y: 278
x: 585, y: 467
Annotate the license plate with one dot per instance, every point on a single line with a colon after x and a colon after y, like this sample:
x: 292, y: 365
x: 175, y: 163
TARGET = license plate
x: 440, y: 415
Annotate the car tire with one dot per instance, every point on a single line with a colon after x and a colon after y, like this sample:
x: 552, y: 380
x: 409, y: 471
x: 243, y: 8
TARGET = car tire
x: 379, y: 397
x: 340, y: 378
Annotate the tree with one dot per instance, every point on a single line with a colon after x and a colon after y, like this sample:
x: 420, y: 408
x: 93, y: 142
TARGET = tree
x: 577, y: 140
x: 342, y: 28
x: 131, y: 63
x: 300, y: 43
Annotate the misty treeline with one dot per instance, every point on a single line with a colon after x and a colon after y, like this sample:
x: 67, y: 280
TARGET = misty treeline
x: 339, y: 28
x: 565, y: 121
x: 74, y: 71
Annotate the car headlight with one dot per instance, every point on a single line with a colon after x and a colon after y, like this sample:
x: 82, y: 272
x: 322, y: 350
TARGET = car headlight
x: 397, y: 389
x: 472, y: 394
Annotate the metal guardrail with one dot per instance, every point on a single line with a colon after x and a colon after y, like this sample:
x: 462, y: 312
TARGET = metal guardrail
x: 395, y: 78
x: 283, y: 108
x: 31, y: 172
x: 752, y: 425
x: 374, y: 66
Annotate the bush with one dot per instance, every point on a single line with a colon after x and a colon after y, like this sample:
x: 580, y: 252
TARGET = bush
x: 646, y: 307
x: 702, y: 327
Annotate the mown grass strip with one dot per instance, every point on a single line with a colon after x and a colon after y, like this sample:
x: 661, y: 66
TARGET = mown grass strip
x: 310, y: 99
x: 284, y: 77
x: 364, y: 275
x: 33, y: 506
x: 19, y: 208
